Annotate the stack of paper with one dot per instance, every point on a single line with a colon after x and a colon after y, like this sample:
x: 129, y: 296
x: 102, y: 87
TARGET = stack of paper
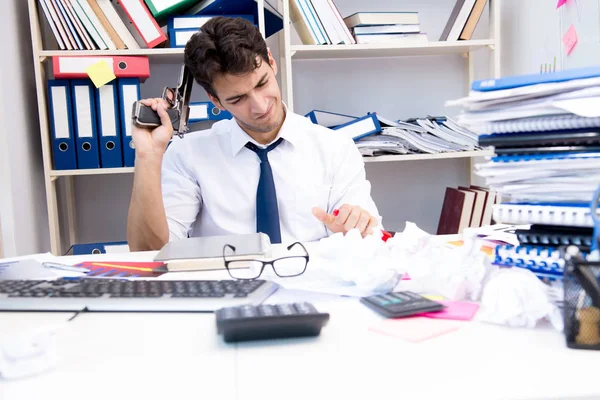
x: 545, y: 130
x: 419, y: 135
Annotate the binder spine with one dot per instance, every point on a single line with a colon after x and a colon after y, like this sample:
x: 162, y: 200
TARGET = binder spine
x: 546, y: 263
x: 518, y: 214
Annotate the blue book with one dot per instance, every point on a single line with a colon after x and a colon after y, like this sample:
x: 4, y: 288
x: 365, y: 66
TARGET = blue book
x: 511, y: 82
x: 273, y: 19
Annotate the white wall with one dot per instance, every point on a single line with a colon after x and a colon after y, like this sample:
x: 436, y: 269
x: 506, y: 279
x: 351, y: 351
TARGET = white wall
x: 22, y: 194
x: 396, y: 88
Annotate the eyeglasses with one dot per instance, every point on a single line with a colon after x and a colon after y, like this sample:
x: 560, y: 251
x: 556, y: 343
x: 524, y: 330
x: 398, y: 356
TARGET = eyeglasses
x: 248, y: 269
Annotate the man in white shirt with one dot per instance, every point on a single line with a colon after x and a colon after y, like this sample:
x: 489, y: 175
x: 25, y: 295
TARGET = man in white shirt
x: 266, y: 170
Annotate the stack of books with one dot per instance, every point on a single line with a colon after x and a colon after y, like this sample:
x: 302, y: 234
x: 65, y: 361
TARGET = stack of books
x: 140, y: 24
x: 466, y: 207
x: 102, y: 24
x: 545, y: 130
x: 386, y: 27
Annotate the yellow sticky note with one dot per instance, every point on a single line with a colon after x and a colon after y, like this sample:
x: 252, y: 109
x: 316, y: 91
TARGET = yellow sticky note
x: 434, y: 297
x: 100, y: 73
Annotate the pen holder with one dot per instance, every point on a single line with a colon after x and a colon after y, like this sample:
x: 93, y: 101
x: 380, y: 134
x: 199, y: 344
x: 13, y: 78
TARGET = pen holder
x: 581, y: 313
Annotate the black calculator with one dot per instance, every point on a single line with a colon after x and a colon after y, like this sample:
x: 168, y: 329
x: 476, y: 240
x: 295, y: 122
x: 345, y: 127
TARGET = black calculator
x: 401, y: 304
x: 269, y: 321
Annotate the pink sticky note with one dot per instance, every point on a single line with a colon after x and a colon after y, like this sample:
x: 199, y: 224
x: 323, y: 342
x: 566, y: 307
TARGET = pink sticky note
x: 561, y: 3
x: 570, y: 39
x: 415, y: 329
x: 459, y: 310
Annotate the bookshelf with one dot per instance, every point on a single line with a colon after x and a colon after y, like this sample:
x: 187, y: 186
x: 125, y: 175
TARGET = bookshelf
x: 288, y: 55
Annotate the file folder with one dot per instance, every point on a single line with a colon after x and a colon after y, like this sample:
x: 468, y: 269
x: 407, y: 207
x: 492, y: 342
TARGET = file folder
x: 206, y: 111
x: 109, y: 126
x: 84, y: 121
x: 99, y: 248
x: 73, y: 67
x: 328, y: 118
x: 61, y: 124
x: 197, y: 21
x: 273, y: 19
x: 180, y: 37
x: 146, y: 28
x: 129, y: 93
x: 361, y: 127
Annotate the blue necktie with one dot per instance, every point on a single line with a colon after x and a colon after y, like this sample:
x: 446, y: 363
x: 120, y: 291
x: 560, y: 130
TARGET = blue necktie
x: 267, y: 213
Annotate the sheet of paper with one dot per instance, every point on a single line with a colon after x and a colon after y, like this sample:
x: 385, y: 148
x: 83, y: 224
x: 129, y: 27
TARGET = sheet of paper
x: 586, y: 107
x: 570, y: 39
x: 457, y: 310
x: 415, y: 329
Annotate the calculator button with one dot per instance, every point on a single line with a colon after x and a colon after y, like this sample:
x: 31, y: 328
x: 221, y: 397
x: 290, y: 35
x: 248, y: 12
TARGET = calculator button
x: 228, y: 313
x: 381, y: 300
x: 401, y: 296
x: 268, y: 310
x: 304, y: 308
x: 248, y: 311
x: 286, y: 309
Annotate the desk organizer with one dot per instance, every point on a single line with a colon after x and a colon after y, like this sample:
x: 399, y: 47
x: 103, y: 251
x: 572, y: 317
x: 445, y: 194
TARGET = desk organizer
x: 581, y: 308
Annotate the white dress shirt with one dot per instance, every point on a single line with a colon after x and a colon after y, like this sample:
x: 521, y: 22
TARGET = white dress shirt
x: 209, y: 180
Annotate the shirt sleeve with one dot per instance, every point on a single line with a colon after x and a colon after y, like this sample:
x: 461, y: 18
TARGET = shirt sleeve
x: 350, y: 185
x: 181, y: 192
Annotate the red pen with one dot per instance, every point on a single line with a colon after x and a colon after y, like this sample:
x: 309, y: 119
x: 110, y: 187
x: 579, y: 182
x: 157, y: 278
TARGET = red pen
x: 336, y: 212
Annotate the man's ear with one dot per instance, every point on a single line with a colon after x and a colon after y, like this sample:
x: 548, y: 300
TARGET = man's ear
x: 216, y: 102
x: 272, y: 62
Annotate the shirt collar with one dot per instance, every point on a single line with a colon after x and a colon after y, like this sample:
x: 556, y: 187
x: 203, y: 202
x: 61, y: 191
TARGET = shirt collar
x: 239, y: 137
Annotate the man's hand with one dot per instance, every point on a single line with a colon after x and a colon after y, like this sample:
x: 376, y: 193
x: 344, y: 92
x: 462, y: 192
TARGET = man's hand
x: 153, y: 142
x: 348, y: 217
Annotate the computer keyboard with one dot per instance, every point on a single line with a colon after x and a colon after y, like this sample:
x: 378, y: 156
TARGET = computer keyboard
x: 130, y: 295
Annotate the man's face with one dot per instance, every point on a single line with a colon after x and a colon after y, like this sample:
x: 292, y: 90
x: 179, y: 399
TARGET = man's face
x: 253, y: 99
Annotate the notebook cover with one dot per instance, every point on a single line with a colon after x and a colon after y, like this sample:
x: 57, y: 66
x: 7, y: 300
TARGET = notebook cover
x: 511, y: 82
x: 212, y: 247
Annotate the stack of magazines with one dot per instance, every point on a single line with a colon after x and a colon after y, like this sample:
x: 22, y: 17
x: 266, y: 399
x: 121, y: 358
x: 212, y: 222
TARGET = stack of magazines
x: 545, y: 130
x: 429, y: 135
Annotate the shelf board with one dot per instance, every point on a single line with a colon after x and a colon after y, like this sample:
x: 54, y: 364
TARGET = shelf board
x: 438, y: 156
x: 162, y: 54
x: 96, y: 171
x: 304, y: 52
x: 409, y: 157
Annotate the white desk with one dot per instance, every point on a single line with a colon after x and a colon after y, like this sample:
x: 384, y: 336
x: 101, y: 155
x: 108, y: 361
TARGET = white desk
x: 180, y: 356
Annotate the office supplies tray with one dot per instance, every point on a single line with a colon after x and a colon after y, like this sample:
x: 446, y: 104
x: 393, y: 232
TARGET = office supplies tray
x: 581, y: 309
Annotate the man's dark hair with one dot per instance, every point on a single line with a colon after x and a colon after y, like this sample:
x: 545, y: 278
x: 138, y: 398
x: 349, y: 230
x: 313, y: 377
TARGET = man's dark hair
x: 224, y: 45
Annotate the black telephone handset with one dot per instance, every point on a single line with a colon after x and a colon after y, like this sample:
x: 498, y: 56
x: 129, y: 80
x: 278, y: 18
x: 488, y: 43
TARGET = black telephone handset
x: 179, y: 100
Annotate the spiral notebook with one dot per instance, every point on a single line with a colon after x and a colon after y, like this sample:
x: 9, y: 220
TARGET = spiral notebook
x: 568, y: 214
x: 544, y: 262
x: 540, y: 124
x: 555, y: 236
x: 580, y: 137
